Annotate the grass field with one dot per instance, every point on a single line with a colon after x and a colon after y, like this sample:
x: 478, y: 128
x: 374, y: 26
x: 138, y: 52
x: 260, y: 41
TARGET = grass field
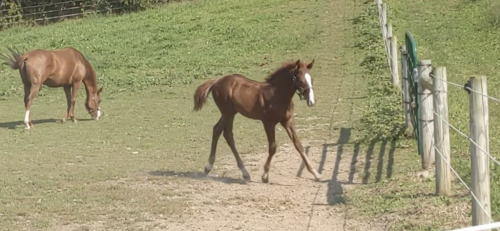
x: 129, y: 170
x: 68, y: 175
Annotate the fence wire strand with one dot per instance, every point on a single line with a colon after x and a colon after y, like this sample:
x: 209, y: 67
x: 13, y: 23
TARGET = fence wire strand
x: 44, y: 5
x: 51, y: 11
x: 67, y: 15
x: 465, y: 87
x: 454, y: 171
x: 467, y: 137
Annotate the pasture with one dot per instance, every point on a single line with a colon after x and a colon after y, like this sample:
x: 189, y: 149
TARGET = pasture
x: 140, y: 167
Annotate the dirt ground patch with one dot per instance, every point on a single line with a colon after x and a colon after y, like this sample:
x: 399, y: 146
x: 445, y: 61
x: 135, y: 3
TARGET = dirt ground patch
x: 224, y: 201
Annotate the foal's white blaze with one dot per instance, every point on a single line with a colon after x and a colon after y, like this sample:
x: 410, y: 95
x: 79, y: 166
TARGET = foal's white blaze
x: 310, y: 100
x: 27, y: 118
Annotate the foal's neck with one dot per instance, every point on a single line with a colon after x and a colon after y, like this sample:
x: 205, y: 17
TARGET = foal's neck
x: 283, y: 86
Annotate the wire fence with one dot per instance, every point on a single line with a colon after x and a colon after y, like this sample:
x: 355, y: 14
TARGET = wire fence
x: 481, y: 218
x: 15, y: 14
x: 444, y: 158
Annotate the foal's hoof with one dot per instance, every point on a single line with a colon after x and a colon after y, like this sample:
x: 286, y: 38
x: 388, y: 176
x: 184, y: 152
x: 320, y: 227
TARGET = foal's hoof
x: 246, y: 175
x: 63, y: 120
x: 265, y: 178
x: 208, y: 168
x: 74, y: 121
x: 317, y: 176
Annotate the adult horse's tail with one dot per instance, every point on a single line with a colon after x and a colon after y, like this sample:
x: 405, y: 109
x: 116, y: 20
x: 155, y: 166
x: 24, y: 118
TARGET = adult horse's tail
x: 201, y: 93
x: 15, y: 61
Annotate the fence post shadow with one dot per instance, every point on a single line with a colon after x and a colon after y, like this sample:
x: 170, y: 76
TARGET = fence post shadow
x: 335, y: 191
x: 380, y: 160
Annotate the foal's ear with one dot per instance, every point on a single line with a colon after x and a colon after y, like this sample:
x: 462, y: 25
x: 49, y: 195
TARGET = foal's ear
x: 310, y: 65
x: 99, y: 91
x: 297, y: 63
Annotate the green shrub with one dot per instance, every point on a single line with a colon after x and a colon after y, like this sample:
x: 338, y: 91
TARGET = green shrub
x: 383, y: 117
x: 495, y: 14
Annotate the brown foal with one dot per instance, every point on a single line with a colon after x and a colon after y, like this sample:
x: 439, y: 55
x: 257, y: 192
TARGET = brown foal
x: 66, y: 68
x: 269, y: 101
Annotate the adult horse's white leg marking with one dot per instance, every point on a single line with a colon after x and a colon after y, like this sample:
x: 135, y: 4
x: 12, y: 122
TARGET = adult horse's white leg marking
x: 98, y: 113
x: 310, y: 100
x: 27, y: 119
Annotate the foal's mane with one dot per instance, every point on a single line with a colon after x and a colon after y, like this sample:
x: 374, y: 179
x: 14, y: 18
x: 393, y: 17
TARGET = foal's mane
x: 282, y: 71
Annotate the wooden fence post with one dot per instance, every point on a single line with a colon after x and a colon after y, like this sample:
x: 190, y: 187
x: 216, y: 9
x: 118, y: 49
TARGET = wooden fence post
x: 426, y: 116
x: 406, y: 96
x: 441, y: 132
x: 384, y: 20
x: 387, y: 43
x: 394, y: 59
x: 480, y: 162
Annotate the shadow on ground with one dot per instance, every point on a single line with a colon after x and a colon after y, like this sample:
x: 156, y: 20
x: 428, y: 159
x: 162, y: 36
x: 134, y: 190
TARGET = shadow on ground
x: 13, y: 124
x: 197, y: 176
x: 335, y: 192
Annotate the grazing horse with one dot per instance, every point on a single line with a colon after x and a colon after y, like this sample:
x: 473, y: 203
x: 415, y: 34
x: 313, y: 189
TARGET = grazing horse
x: 66, y: 68
x: 269, y: 101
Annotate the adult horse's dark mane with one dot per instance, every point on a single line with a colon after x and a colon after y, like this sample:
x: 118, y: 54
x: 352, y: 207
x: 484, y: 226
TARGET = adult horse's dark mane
x: 282, y: 71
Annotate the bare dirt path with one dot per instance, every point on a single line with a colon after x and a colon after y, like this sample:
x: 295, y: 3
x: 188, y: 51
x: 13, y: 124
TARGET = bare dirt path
x: 224, y: 201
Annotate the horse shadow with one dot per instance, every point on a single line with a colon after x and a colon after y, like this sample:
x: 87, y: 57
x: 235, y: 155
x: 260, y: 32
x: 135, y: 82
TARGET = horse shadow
x: 197, y: 175
x: 13, y: 124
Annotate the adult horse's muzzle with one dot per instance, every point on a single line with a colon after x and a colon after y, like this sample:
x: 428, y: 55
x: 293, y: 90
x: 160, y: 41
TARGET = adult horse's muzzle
x: 96, y: 114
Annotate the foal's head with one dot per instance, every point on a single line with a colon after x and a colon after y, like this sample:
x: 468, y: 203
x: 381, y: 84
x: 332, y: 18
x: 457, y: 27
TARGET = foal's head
x: 93, y: 104
x: 303, y: 81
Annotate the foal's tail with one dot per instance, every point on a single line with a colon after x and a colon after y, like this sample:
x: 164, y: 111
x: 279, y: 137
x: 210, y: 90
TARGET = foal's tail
x: 201, y: 93
x: 15, y: 61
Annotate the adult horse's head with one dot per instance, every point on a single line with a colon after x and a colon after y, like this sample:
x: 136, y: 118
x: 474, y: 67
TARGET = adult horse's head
x: 303, y: 81
x: 92, y: 103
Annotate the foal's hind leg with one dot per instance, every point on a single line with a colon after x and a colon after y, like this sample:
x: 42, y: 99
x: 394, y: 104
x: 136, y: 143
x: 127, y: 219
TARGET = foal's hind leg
x: 289, y: 126
x: 218, y: 128
x: 228, y: 135
x: 271, y: 138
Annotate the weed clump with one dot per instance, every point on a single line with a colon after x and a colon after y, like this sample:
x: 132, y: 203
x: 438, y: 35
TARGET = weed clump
x: 495, y: 15
x: 383, y: 118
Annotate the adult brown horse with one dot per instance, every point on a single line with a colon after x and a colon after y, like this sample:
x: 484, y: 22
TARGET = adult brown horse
x: 269, y: 101
x: 66, y: 68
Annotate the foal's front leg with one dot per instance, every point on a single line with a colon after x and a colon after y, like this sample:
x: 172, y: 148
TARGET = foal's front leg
x: 289, y: 126
x: 217, y: 131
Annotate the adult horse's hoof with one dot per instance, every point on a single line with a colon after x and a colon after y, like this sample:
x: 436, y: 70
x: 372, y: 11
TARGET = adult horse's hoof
x: 29, y: 125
